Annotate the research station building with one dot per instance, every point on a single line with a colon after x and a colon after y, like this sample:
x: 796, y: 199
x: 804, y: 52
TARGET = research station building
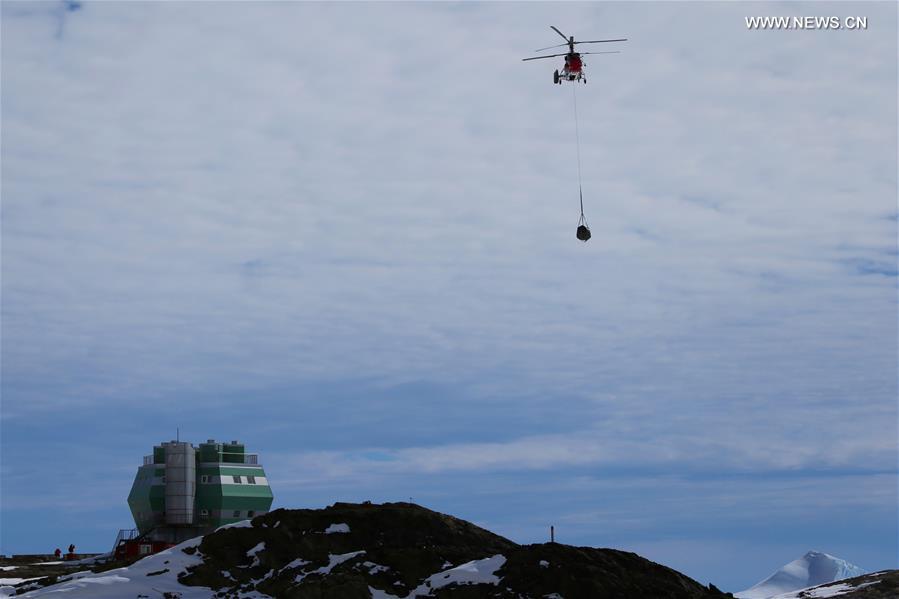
x: 182, y: 491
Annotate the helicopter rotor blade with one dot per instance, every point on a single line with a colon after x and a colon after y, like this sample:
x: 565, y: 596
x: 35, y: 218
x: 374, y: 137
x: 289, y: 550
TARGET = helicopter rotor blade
x: 549, y: 56
x: 565, y: 37
x: 610, y: 52
x: 624, y: 39
x: 550, y: 47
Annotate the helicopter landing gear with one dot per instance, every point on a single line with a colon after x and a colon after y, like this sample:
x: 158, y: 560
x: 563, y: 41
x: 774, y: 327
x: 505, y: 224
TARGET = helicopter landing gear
x: 556, y: 77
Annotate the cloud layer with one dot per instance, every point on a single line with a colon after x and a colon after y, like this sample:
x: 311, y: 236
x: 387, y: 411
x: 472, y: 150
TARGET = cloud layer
x: 345, y: 233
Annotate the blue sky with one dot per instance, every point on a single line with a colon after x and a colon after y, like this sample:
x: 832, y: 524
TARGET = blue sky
x: 344, y: 234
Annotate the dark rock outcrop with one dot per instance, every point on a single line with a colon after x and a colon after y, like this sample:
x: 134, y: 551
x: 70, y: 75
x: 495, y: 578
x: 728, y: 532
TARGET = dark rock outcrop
x: 879, y: 585
x: 350, y: 551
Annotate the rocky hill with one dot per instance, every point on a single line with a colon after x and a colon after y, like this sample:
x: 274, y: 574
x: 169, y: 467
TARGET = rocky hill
x: 879, y: 585
x: 388, y: 551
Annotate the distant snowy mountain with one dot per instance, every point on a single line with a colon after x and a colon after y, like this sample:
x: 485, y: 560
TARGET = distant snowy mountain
x: 812, y: 569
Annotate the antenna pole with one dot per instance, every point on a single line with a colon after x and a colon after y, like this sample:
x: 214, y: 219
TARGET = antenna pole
x: 552, y: 534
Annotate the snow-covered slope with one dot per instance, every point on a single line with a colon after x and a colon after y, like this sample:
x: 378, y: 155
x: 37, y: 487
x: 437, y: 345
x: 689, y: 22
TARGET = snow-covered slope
x: 878, y: 585
x: 150, y: 577
x: 812, y: 569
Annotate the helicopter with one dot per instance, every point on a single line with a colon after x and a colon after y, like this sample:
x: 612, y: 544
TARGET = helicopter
x: 574, y: 66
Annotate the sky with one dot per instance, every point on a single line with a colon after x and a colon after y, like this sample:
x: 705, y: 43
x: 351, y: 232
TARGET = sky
x: 344, y: 234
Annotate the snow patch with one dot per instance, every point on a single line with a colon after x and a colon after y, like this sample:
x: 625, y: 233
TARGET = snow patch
x: 337, y: 528
x: 481, y: 571
x: 377, y: 594
x: 832, y: 590
x: 374, y: 568
x: 252, y: 553
x: 241, y: 524
x: 544, y: 563
x: 8, y: 581
x: 297, y: 563
x: 88, y: 560
x: 333, y: 562
x: 269, y: 574
x: 251, y: 594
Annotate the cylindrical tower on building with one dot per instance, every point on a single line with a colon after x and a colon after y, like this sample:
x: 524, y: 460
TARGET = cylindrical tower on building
x: 180, y: 483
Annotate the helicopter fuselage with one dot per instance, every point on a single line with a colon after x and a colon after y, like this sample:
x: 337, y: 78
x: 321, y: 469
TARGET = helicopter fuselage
x: 573, y: 69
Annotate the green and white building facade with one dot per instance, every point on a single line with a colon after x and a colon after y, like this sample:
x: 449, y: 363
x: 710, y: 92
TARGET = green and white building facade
x: 182, y: 491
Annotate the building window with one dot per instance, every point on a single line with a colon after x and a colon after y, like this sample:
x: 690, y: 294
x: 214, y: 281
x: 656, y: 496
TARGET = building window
x: 204, y: 478
x: 146, y: 549
x: 251, y: 480
x: 236, y: 479
x: 204, y: 513
x: 237, y: 513
x: 250, y: 514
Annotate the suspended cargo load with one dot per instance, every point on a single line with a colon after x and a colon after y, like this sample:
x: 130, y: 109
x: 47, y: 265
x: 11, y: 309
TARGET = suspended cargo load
x: 583, y: 232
